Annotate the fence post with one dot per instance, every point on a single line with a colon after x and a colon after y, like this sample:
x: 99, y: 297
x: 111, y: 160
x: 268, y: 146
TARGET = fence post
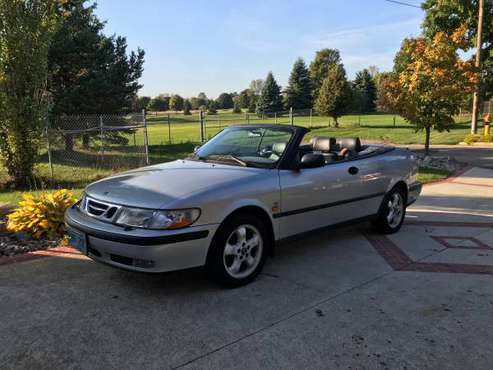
x: 169, y: 130
x: 101, y: 134
x: 291, y: 118
x: 359, y: 120
x: 394, y: 120
x: 201, y: 118
x: 311, y: 113
x: 275, y: 117
x: 146, y: 141
x: 248, y: 118
x: 49, y: 147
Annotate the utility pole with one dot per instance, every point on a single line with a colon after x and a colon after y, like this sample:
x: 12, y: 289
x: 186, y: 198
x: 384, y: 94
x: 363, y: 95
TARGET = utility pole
x: 475, y: 100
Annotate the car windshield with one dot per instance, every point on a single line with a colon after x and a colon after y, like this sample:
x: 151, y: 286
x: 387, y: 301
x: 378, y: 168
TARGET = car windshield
x: 246, y: 146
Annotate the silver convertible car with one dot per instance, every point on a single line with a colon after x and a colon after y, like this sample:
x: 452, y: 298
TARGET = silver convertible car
x: 228, y: 205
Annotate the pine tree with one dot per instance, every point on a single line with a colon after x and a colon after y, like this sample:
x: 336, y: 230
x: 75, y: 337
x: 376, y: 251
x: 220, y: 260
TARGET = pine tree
x: 334, y: 95
x: 320, y: 66
x: 365, y: 87
x: 298, y: 94
x: 270, y: 99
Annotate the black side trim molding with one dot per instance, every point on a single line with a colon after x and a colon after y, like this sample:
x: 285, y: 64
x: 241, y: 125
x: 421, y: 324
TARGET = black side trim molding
x: 137, y: 240
x: 327, y: 205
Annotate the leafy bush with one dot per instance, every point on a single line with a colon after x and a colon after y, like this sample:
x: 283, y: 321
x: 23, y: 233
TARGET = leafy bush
x: 42, y: 215
x: 476, y: 138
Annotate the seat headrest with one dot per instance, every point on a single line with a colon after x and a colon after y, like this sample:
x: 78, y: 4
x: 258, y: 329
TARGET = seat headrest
x: 323, y: 144
x: 351, y: 143
x: 278, y: 148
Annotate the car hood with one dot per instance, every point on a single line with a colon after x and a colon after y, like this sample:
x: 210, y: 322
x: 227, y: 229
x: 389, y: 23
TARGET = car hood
x: 159, y: 185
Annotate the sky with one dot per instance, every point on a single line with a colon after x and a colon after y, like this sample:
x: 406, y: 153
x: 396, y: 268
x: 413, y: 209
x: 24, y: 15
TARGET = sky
x: 219, y: 46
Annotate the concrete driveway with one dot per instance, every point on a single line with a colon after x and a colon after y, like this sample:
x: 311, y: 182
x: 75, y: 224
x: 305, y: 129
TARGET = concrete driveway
x: 422, y: 298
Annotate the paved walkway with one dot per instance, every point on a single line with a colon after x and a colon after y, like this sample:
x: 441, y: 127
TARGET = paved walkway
x: 421, y: 298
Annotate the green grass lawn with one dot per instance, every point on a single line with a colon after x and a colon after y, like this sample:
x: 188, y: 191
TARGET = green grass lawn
x: 74, y: 170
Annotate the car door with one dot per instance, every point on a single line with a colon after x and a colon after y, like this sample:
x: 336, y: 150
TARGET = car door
x: 337, y: 192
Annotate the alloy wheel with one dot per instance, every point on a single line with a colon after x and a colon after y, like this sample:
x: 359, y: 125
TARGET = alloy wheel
x: 243, y: 251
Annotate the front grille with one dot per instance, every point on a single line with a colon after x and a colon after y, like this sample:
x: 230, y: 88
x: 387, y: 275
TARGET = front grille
x: 99, y: 209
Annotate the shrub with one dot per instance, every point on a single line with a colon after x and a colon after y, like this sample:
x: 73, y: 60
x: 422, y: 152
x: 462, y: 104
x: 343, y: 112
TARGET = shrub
x: 41, y: 215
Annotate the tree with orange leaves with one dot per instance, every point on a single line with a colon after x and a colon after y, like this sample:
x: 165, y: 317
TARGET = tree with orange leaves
x: 428, y: 81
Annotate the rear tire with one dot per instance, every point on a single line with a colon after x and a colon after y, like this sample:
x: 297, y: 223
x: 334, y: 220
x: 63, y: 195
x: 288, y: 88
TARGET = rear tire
x: 238, y: 251
x: 392, y: 212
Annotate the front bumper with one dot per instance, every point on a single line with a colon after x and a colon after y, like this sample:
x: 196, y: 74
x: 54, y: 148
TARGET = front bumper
x: 141, y: 249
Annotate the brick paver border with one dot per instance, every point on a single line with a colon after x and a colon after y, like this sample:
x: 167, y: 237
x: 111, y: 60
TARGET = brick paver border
x: 400, y: 261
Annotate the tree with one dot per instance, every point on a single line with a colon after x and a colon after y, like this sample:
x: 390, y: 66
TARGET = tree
x: 448, y: 15
x: 335, y: 94
x: 320, y: 66
x: 387, y: 92
x: 212, y: 107
x: 91, y: 73
x: 237, y: 107
x: 203, y: 99
x: 244, y: 98
x: 26, y: 31
x: 256, y: 86
x: 428, y: 90
x: 141, y: 103
x: 225, y: 101
x: 365, y: 88
x: 298, y: 93
x: 270, y: 99
x: 252, y: 107
x: 176, y: 103
x: 187, y: 107
x: 159, y: 104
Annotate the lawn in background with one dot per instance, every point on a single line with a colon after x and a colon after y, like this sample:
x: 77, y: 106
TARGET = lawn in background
x: 373, y: 127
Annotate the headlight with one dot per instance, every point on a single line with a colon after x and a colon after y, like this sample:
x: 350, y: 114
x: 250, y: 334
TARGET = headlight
x: 151, y: 219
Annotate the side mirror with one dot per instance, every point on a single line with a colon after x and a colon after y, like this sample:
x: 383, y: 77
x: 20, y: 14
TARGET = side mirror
x: 195, y: 150
x: 312, y: 160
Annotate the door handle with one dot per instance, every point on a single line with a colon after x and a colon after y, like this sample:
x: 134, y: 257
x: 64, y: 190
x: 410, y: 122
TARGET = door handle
x: 353, y: 170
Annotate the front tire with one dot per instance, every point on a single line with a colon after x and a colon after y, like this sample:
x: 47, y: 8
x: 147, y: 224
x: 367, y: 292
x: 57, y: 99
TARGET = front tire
x: 238, y: 251
x: 392, y: 212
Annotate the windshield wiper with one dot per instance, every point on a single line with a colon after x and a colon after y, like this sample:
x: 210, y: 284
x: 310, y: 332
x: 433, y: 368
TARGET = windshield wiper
x: 229, y: 157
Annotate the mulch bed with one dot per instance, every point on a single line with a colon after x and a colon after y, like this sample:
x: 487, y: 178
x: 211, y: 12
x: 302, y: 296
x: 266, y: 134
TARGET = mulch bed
x: 16, y: 243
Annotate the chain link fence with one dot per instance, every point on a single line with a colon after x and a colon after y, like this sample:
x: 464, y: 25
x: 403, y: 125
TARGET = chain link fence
x: 92, y: 143
x: 82, y: 148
